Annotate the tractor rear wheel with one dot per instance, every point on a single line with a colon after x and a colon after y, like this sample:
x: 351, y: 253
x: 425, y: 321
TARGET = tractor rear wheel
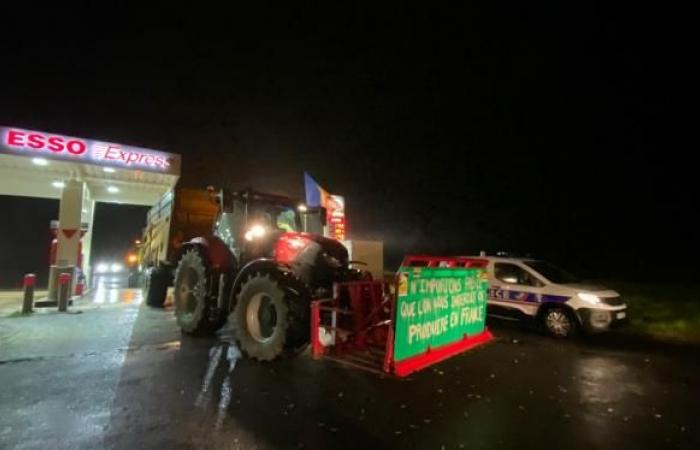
x: 266, y: 318
x: 190, y: 294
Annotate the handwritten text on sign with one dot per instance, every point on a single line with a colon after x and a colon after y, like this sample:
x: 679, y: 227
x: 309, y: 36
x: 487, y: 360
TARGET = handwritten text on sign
x: 438, y: 306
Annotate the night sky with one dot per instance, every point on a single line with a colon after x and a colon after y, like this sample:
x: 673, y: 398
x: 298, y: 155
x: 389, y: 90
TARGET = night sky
x: 541, y: 129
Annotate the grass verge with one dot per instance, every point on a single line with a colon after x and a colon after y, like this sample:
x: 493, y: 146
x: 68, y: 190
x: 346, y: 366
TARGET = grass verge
x: 667, y: 312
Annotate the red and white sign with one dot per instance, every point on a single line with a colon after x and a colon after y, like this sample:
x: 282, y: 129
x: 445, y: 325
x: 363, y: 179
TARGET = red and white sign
x: 34, y: 140
x: 114, y: 152
x: 47, y: 145
x: 335, y: 207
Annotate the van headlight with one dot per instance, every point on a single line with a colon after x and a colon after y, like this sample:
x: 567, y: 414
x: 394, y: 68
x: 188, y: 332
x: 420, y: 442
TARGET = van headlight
x: 589, y: 298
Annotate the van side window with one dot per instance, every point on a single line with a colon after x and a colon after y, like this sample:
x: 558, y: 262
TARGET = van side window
x: 512, y: 274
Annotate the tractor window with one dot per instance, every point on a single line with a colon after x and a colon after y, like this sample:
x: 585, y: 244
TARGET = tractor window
x: 282, y: 218
x: 286, y: 220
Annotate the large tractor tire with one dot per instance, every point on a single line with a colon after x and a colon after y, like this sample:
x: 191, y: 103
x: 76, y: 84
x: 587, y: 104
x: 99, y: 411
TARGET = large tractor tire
x: 190, y: 294
x: 156, y: 286
x: 269, y: 318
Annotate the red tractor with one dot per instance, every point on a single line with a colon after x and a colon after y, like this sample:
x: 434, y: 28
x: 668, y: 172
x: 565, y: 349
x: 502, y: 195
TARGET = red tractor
x: 257, y: 269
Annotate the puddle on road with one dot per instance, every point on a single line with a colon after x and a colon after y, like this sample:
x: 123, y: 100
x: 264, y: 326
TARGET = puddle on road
x: 104, y: 295
x: 113, y: 289
x: 224, y: 355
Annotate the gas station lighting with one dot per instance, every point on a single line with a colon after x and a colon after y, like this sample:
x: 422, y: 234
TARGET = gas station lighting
x: 108, y: 170
x: 112, y: 189
x: 40, y: 161
x: 58, y: 184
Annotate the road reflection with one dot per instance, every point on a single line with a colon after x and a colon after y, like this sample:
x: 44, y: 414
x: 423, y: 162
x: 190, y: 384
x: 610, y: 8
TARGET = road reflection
x: 604, y: 381
x: 606, y: 388
x: 111, y: 289
x: 224, y: 355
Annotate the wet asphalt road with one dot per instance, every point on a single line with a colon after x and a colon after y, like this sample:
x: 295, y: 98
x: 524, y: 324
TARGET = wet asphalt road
x: 124, y: 377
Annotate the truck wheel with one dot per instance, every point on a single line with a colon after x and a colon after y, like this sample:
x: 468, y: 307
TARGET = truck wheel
x: 156, y: 287
x: 559, y: 322
x: 190, y: 294
x: 262, y: 318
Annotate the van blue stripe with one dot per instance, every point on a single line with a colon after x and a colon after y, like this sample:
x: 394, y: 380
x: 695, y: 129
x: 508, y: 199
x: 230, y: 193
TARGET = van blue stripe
x: 527, y: 297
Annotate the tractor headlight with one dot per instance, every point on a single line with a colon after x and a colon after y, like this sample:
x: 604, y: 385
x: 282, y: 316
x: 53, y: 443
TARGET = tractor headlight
x: 254, y: 232
x: 589, y: 298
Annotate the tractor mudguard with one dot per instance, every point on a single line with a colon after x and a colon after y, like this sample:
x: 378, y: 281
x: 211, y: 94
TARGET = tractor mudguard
x: 216, y: 253
x: 263, y: 265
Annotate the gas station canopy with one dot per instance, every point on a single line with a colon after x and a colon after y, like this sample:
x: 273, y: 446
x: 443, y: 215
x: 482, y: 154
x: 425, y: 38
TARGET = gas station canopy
x: 80, y: 172
x: 37, y: 164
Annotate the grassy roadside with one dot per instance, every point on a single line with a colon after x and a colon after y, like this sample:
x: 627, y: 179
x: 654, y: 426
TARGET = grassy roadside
x: 665, y: 312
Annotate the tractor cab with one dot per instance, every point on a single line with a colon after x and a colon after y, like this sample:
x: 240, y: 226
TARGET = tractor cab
x: 249, y: 221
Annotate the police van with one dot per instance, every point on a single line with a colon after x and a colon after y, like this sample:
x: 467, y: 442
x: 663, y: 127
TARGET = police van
x: 560, y: 301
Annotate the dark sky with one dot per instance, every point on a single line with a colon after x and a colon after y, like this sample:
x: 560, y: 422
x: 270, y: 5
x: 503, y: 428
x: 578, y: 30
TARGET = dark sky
x: 545, y: 129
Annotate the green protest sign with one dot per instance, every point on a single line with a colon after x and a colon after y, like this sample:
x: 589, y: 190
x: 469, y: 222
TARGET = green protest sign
x: 436, y: 306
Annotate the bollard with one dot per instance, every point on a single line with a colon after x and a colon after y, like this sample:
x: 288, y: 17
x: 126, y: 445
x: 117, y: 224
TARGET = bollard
x: 28, y: 284
x: 63, y: 291
x: 79, y: 288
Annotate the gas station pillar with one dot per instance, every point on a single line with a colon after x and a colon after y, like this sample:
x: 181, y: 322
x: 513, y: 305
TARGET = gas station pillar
x: 87, y: 219
x: 68, y: 234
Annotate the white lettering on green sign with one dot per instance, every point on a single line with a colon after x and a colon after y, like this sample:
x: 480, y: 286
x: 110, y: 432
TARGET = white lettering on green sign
x: 436, y: 307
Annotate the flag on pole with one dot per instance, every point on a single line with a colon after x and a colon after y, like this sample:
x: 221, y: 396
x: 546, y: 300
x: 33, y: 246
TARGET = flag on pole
x: 315, y: 194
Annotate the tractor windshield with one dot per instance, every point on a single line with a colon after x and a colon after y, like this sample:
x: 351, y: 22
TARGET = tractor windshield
x: 280, y: 217
x: 286, y: 219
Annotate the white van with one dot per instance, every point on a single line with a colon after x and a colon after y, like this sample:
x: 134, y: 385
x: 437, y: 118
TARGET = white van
x: 539, y: 290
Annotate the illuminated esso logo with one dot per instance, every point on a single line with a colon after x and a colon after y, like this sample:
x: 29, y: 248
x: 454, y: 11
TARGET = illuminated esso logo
x: 116, y: 154
x: 39, y: 141
x: 83, y: 149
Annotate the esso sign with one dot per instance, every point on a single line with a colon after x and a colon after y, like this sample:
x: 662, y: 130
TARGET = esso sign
x: 39, y: 141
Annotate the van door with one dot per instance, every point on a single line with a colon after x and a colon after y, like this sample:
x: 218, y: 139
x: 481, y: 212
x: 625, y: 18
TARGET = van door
x: 512, y: 288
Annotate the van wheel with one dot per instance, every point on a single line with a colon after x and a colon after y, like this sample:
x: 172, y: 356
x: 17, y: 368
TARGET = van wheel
x: 559, y: 322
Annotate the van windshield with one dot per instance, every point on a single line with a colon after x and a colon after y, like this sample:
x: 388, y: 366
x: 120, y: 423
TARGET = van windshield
x: 552, y: 272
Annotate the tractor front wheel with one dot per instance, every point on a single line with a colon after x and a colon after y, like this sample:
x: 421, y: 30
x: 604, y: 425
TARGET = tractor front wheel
x: 263, y: 318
